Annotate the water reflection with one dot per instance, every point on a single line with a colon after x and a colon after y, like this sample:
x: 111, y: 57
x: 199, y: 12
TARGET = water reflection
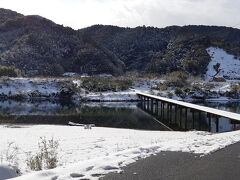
x: 118, y: 115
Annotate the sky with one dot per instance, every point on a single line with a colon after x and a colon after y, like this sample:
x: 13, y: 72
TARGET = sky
x: 131, y: 13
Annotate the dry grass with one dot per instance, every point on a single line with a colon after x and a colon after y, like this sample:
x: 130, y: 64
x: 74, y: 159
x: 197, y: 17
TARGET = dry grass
x: 10, y: 156
x: 46, y: 158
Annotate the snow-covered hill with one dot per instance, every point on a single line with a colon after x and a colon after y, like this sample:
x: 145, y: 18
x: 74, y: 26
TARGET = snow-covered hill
x: 229, y: 65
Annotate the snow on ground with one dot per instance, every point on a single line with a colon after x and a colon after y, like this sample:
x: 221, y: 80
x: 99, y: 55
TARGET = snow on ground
x: 49, y: 86
x: 27, y: 85
x: 122, y: 104
x: 69, y: 74
x: 127, y: 95
x: 88, y: 153
x: 229, y: 66
x: 221, y: 87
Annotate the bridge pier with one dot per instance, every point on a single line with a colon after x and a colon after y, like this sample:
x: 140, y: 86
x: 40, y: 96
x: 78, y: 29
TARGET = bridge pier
x: 180, y: 112
x: 171, y: 113
x: 186, y: 117
x: 151, y: 105
x: 175, y: 108
x: 162, y: 109
x: 199, y: 120
x: 217, y: 124
x: 193, y: 120
x: 148, y: 104
x: 156, y: 111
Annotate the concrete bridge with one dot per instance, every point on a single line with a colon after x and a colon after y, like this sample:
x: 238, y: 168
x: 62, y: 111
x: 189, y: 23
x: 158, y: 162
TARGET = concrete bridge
x: 174, y: 109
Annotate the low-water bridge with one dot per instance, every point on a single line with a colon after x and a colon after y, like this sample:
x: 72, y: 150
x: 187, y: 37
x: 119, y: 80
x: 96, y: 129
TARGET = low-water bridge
x: 178, y: 109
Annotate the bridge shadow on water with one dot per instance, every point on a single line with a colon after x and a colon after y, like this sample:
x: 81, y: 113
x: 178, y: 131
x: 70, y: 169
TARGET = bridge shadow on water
x: 184, y: 119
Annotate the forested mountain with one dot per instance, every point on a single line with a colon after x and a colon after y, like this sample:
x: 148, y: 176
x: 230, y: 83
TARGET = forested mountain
x: 165, y: 49
x: 38, y: 46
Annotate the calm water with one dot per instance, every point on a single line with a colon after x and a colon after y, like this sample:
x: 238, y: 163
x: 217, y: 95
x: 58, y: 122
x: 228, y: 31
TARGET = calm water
x: 119, y: 115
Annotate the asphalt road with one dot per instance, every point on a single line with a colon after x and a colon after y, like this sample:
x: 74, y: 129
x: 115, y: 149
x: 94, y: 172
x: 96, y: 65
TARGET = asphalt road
x: 221, y: 165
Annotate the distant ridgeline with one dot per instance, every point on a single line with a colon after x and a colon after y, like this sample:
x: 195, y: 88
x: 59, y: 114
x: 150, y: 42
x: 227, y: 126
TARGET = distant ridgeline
x: 38, y: 46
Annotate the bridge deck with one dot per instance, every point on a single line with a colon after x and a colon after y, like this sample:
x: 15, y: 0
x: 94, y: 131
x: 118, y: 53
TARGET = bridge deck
x: 226, y: 114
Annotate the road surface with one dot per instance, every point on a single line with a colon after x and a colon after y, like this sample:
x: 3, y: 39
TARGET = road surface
x: 221, y: 165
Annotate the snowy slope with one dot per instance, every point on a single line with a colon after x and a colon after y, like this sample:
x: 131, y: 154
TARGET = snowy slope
x: 229, y: 66
x: 84, y: 153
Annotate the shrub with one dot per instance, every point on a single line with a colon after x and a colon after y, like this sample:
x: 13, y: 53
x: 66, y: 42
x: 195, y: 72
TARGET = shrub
x: 151, y: 75
x: 176, y: 79
x: 133, y: 75
x: 169, y: 94
x: 235, y: 89
x: 9, y: 71
x: 178, y: 91
x: 196, y: 87
x: 101, y: 84
x: 162, y: 87
x: 46, y: 158
x: 159, y: 86
x: 208, y: 86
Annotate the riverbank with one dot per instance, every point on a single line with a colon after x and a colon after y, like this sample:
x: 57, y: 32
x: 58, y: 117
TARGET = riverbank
x: 77, y: 90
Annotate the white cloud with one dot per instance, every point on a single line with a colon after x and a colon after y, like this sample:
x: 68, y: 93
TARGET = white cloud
x: 160, y: 13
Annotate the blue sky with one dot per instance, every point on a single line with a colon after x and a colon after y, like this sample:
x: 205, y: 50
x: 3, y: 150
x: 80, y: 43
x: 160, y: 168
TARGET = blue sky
x: 158, y: 13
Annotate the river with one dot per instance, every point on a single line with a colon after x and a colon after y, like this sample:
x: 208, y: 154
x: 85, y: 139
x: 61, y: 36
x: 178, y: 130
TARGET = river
x: 111, y: 114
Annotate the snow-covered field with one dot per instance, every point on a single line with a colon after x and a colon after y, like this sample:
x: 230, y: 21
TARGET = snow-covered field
x: 13, y: 86
x: 88, y: 153
x: 229, y: 66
